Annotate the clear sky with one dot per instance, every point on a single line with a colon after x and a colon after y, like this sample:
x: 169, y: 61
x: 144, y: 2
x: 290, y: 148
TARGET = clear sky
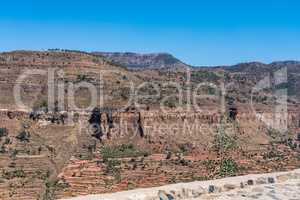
x: 207, y: 32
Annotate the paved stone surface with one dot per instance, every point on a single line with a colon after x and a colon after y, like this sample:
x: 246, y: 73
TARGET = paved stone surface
x: 285, y: 191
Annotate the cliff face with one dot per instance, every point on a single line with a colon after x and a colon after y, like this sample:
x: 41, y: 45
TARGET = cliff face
x: 193, y: 151
x: 74, y: 157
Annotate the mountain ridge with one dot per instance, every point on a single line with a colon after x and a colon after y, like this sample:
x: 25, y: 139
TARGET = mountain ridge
x: 144, y: 61
x: 163, y: 60
x: 160, y: 60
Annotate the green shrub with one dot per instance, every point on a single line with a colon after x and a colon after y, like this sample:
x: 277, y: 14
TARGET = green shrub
x: 209, y: 164
x: 185, y: 148
x: 50, y: 187
x: 2, y: 149
x: 23, y: 136
x: 81, y: 77
x: 113, y: 167
x: 273, y: 133
x: 19, y: 173
x: 223, y: 142
x: 6, y: 141
x: 3, y: 132
x: 228, y: 168
x: 122, y: 151
x: 44, y: 104
x: 14, y: 154
x: 171, y: 102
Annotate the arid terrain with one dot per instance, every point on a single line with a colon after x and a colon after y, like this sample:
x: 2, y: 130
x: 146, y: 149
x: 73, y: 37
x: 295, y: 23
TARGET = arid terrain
x: 145, y: 128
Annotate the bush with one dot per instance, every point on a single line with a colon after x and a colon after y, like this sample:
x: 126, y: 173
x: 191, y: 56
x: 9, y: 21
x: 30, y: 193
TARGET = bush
x: 169, y: 155
x: 13, y: 154
x: 171, y: 102
x: 3, y: 132
x: 6, y: 141
x: 2, y: 149
x: 185, y: 148
x: 44, y: 104
x: 122, y: 151
x: 113, y: 167
x: 19, y: 173
x: 81, y: 77
x: 52, y: 186
x: 23, y: 136
x: 209, y: 164
x: 228, y: 168
x: 223, y: 142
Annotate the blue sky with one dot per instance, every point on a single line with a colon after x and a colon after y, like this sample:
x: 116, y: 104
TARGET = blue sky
x: 198, y: 32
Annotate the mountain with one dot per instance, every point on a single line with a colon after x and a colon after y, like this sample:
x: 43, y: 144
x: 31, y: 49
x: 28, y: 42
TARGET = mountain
x: 258, y: 67
x: 144, y: 61
x: 142, y: 132
x: 168, y: 61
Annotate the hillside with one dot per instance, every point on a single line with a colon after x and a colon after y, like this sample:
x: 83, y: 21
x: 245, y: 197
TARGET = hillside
x: 142, y: 131
x: 252, y: 70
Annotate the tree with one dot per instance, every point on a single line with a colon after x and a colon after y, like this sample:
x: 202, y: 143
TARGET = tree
x: 298, y: 137
x: 23, y: 136
x: 3, y: 132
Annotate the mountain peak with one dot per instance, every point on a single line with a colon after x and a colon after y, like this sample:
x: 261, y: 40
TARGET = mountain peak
x: 144, y: 61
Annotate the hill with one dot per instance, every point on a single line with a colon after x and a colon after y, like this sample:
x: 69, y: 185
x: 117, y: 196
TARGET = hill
x: 144, y: 61
x: 144, y: 129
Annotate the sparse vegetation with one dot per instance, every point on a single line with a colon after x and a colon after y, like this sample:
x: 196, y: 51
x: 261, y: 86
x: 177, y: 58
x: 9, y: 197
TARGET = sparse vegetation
x: 204, y: 76
x: 52, y: 186
x: 81, y: 77
x: 44, y: 104
x: 171, y: 102
x: 125, y: 93
x: 6, y: 141
x: 13, y: 154
x: 273, y: 154
x: 169, y: 155
x: 2, y: 149
x: 23, y: 136
x: 42, y: 175
x: 223, y: 142
x: 209, y: 164
x: 122, y: 151
x: 18, y: 173
x: 185, y: 148
x: 3, y: 132
x: 228, y: 168
x: 113, y: 167
x: 275, y: 134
